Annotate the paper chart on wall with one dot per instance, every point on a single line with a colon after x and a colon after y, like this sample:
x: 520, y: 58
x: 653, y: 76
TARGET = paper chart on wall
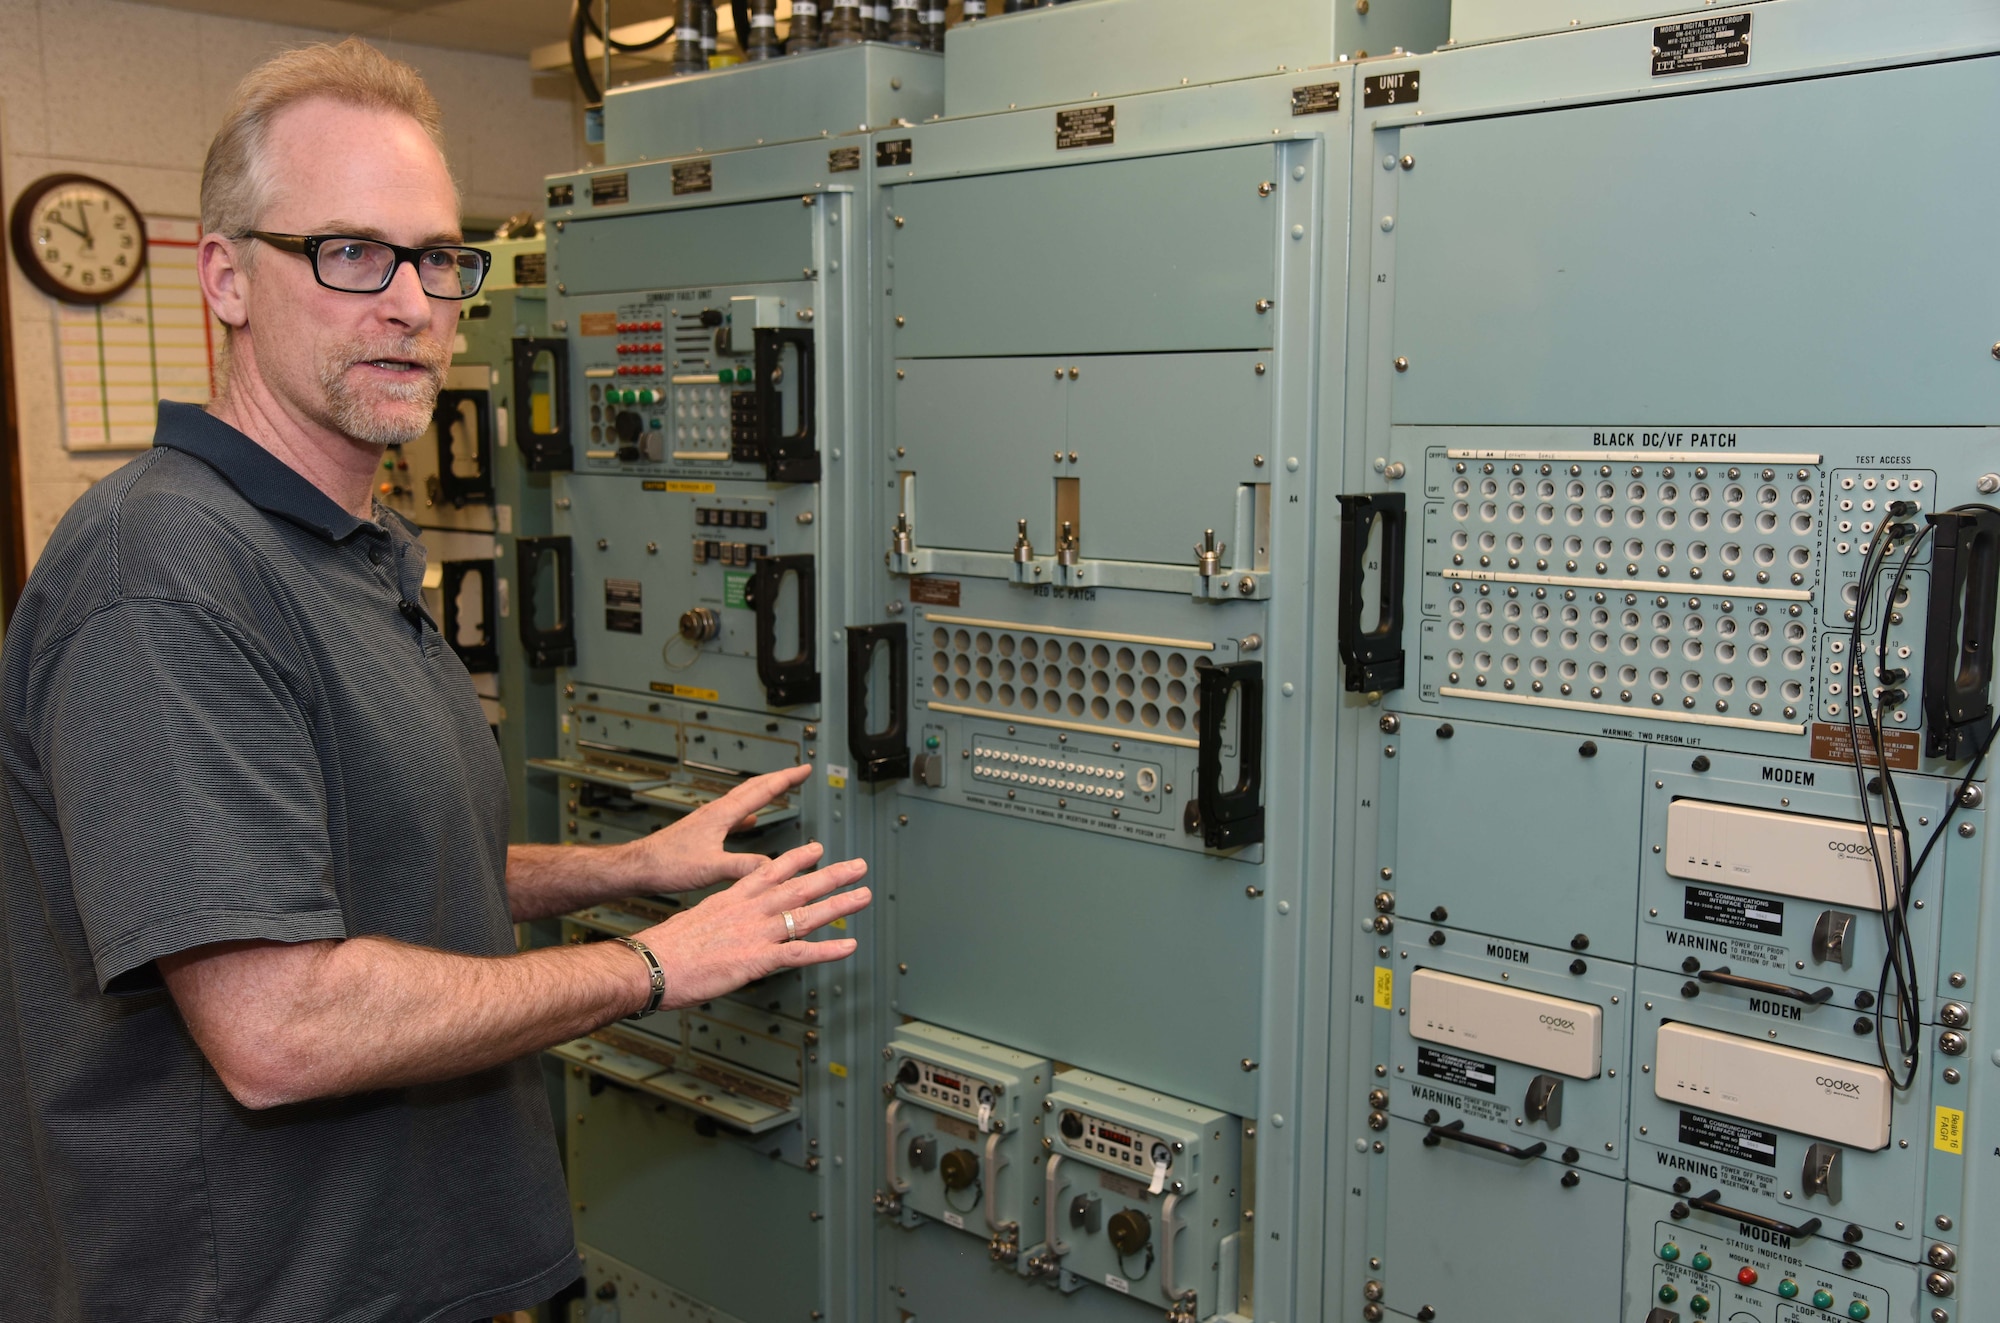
x: 154, y: 342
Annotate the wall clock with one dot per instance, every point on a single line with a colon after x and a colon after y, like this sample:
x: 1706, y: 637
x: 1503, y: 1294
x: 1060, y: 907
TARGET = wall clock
x: 78, y: 239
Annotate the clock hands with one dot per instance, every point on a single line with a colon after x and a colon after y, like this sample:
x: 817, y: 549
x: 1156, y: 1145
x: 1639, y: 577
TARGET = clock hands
x: 83, y: 214
x: 83, y: 234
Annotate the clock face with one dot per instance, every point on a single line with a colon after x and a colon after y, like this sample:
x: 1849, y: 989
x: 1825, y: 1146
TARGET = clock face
x: 79, y: 238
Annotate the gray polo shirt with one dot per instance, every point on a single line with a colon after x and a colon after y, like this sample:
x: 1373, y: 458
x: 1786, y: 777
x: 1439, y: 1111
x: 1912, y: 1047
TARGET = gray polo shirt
x: 225, y: 715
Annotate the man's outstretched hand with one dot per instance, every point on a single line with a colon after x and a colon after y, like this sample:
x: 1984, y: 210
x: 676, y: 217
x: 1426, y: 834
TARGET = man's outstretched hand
x: 690, y: 854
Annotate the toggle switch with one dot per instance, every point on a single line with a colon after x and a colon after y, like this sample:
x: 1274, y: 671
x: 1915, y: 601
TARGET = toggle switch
x: 1822, y: 1172
x: 1545, y: 1100
x: 1832, y: 938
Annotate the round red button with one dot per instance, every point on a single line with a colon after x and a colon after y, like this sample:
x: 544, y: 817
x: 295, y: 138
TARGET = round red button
x: 1747, y: 1275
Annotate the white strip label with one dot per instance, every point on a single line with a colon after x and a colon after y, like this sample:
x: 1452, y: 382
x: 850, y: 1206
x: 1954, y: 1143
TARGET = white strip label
x: 985, y: 1118
x: 952, y: 1219
x: 1118, y: 1284
x: 804, y: 9
x: 764, y: 21
x: 1159, y: 1178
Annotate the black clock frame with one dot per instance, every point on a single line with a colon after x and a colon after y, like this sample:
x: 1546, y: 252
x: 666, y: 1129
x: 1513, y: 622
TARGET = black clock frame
x: 22, y: 223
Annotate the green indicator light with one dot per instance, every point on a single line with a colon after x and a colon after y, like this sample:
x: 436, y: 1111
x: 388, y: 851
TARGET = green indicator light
x: 1702, y: 1263
x: 1670, y: 1251
x: 1699, y: 1304
x: 1788, y: 1288
x: 930, y: 741
x: 656, y: 423
x: 1668, y: 1294
x: 743, y: 376
x: 722, y: 378
x: 1822, y: 1300
x: 1859, y: 1309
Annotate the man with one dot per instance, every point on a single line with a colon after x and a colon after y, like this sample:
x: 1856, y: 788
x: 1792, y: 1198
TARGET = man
x: 267, y: 1049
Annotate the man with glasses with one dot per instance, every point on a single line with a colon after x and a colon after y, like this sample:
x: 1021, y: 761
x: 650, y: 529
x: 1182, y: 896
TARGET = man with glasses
x: 267, y: 1049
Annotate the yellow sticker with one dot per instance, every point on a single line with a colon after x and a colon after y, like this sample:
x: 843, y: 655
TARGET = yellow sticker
x: 839, y: 923
x: 686, y: 691
x: 1385, y: 987
x: 1950, y: 1137
x: 685, y: 488
x: 837, y: 1070
x: 837, y: 782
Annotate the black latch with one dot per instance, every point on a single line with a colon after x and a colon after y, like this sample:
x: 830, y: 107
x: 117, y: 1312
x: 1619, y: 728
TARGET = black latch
x: 554, y: 643
x: 787, y: 456
x: 788, y: 681
x: 883, y: 755
x: 483, y: 654
x: 456, y: 489
x: 542, y: 451
x: 1958, y: 632
x: 1373, y: 655
x: 1231, y: 816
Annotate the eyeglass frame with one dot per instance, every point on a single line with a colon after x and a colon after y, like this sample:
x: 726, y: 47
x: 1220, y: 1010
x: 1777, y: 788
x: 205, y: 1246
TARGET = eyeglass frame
x: 308, y: 246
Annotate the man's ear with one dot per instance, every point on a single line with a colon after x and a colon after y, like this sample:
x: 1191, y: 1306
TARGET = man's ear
x: 224, y: 282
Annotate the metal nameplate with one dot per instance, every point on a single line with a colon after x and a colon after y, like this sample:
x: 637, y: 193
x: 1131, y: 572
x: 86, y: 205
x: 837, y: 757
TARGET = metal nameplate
x: 842, y: 159
x: 694, y: 177
x: 531, y: 268
x: 934, y: 592
x: 1316, y: 99
x: 1086, y: 126
x: 894, y: 151
x: 1460, y: 1072
x: 1396, y: 89
x: 1831, y: 743
x: 622, y: 614
x: 1728, y: 909
x: 1722, y: 42
x: 607, y: 189
x: 1715, y: 1135
x: 562, y: 195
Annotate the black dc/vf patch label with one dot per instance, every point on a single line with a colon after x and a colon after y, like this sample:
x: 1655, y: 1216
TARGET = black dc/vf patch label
x: 1457, y: 1071
x: 1742, y: 1142
x: 1729, y: 909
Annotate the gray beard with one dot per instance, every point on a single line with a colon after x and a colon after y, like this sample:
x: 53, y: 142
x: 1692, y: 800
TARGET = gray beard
x: 394, y: 414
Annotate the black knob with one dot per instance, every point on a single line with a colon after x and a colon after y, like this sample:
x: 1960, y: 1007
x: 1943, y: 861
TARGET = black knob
x: 1571, y: 1180
x: 1863, y: 1000
x: 1130, y: 1230
x: 1690, y: 965
x: 1578, y: 966
x: 1437, y: 938
x: 909, y: 1074
x: 1682, y: 1185
x: 1571, y: 1155
x: 1700, y: 763
x: 1580, y: 942
x: 1588, y: 748
x: 1440, y: 914
x: 1445, y: 732
x: 711, y: 316
x: 960, y: 1168
x: 1852, y: 1235
x: 628, y: 425
x: 1863, y: 1025
x: 1690, y: 989
x: 1850, y: 1260
x: 1072, y: 1126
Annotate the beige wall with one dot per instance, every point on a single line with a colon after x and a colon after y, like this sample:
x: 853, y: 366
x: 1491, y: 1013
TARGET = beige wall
x: 131, y: 94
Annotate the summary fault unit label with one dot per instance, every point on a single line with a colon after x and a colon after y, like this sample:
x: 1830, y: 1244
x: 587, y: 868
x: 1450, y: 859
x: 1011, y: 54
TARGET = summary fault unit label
x: 1086, y: 126
x: 1722, y: 42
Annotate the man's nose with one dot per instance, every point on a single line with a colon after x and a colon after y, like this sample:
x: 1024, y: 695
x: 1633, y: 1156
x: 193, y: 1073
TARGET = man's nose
x: 405, y: 301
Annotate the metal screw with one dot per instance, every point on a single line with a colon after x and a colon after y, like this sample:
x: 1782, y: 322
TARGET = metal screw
x: 1264, y: 189
x: 1263, y: 305
x: 1402, y: 365
x: 1409, y: 162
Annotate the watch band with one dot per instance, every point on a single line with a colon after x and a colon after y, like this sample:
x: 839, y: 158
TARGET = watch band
x: 659, y: 977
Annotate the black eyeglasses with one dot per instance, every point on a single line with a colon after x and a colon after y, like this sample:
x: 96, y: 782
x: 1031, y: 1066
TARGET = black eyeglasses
x: 352, y: 264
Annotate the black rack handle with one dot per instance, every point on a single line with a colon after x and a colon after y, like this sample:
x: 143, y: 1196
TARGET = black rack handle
x: 482, y: 657
x: 788, y: 456
x: 550, y: 451
x: 1373, y: 657
x: 1710, y: 1203
x: 1958, y: 630
x: 885, y: 754
x: 1789, y: 993
x: 478, y: 489
x: 1458, y: 1134
x: 1230, y: 816
x: 556, y: 645
x: 788, y: 681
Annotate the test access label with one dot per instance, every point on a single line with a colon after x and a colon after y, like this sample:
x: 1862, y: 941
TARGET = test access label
x: 1722, y: 42
x: 1743, y: 1142
x: 1457, y: 1071
x: 1729, y: 909
x: 694, y: 177
x: 1396, y: 89
x: 1086, y: 126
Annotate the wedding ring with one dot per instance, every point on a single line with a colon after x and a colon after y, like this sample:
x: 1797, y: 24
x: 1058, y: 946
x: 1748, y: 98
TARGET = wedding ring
x: 791, y: 928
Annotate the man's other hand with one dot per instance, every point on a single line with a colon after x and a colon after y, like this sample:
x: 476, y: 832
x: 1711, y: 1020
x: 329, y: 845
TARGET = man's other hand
x: 690, y: 854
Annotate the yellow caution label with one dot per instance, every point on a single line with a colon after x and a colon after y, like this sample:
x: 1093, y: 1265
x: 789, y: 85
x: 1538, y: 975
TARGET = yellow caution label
x: 1385, y: 987
x: 837, y: 1070
x: 1950, y: 1137
x: 686, y: 691
x: 839, y: 923
x: 539, y: 416
x: 837, y: 782
x: 685, y: 488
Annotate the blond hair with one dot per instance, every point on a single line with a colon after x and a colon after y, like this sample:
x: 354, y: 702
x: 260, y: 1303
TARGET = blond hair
x: 235, y: 178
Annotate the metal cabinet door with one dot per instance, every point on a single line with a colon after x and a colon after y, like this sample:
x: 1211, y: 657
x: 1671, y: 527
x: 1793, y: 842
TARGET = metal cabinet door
x: 978, y: 434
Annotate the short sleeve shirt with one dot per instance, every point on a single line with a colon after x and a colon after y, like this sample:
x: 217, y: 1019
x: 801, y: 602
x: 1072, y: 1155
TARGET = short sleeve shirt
x: 225, y: 715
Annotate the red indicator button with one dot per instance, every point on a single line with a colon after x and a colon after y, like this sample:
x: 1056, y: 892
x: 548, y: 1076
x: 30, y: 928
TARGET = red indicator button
x: 1747, y: 1275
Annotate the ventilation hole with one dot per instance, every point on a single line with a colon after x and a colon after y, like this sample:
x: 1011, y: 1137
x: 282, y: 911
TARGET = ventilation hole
x: 941, y: 661
x: 1006, y: 670
x: 940, y: 639
x: 984, y: 642
x: 1125, y: 712
x: 1100, y: 708
x: 1100, y: 682
x: 962, y: 689
x: 1126, y: 685
x: 1005, y: 695
x: 1075, y: 705
x: 1030, y: 673
x: 941, y: 686
x: 1125, y: 659
x: 1176, y: 719
x: 1100, y: 656
x: 961, y: 640
x: 1150, y: 687
x: 1030, y: 649
x: 985, y: 668
x: 1006, y: 645
x: 962, y: 664
x: 984, y: 691
x: 1029, y: 698
x: 1150, y: 661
